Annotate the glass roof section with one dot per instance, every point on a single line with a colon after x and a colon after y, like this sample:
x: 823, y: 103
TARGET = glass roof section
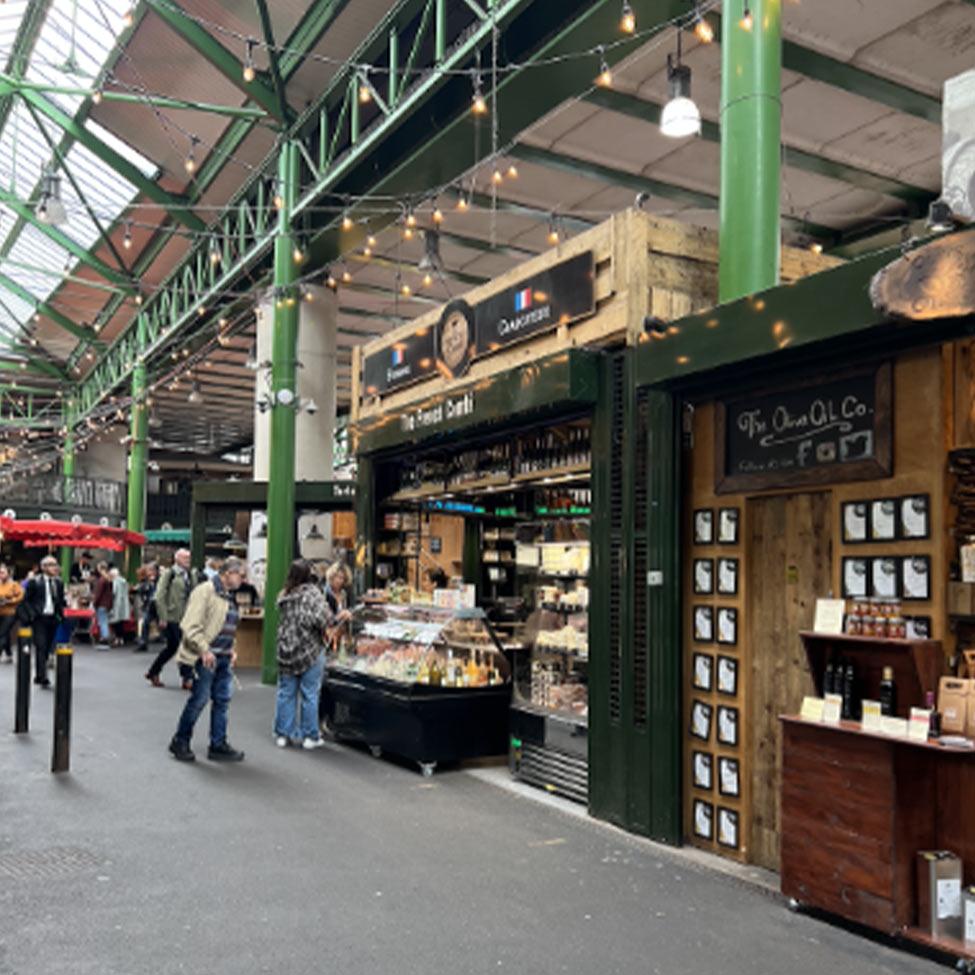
x: 71, y: 49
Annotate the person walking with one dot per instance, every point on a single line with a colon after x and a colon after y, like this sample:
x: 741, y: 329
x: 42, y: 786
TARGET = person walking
x: 121, y: 609
x: 101, y: 598
x: 304, y: 615
x: 209, y: 626
x: 43, y: 609
x: 172, y: 593
x: 10, y: 597
x: 146, y: 591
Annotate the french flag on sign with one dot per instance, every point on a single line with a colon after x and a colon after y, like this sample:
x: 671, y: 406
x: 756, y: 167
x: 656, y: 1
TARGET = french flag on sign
x: 523, y: 299
x: 398, y: 356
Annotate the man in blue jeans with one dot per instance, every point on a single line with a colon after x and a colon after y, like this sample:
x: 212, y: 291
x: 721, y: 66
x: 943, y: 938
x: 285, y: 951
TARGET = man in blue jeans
x: 209, y: 626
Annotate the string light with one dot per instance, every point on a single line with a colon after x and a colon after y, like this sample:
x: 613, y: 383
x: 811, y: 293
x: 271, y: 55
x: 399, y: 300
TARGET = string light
x: 496, y: 177
x: 365, y: 93
x: 478, y: 103
x: 128, y: 18
x: 703, y: 31
x: 437, y: 215
x: 250, y: 71
x: 371, y: 241
x: 347, y: 223
x: 278, y: 198
x: 816, y: 247
x: 462, y: 204
x: 605, y: 77
x: 346, y: 276
x: 190, y: 164
x: 512, y: 171
x: 96, y: 96
x: 367, y: 251
x: 214, y: 253
x: 427, y: 280
x: 746, y: 22
x: 627, y: 19
x: 553, y: 230
x: 330, y: 281
x: 127, y: 236
x: 298, y: 254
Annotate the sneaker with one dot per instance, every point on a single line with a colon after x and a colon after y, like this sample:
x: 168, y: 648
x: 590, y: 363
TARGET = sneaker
x: 309, y: 743
x: 154, y: 680
x: 181, y: 750
x: 281, y: 741
x: 224, y: 752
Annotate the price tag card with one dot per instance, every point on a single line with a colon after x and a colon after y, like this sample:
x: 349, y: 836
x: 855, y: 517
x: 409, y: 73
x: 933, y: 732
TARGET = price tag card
x: 812, y: 709
x: 832, y: 708
x: 919, y: 724
x: 871, y: 716
x: 895, y: 727
x: 829, y: 615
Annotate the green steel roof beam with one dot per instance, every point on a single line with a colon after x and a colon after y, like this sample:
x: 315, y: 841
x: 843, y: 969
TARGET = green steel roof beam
x: 316, y: 20
x: 38, y: 365
x: 26, y: 213
x: 647, y: 184
x: 635, y: 107
x: 284, y: 109
x: 27, y: 34
x: 60, y: 319
x: 203, y: 42
x: 177, y: 206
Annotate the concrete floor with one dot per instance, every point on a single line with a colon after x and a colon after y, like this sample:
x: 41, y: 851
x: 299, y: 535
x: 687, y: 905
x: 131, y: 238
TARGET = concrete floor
x: 331, y: 861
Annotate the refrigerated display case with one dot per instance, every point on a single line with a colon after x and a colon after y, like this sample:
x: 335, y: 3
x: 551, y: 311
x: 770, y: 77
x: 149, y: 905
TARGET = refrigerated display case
x: 425, y: 683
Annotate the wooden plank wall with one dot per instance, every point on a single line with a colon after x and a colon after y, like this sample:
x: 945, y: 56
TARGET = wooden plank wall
x: 920, y: 392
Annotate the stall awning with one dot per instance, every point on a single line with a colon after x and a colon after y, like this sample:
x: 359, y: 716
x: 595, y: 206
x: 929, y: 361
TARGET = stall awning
x: 161, y: 536
x: 48, y: 532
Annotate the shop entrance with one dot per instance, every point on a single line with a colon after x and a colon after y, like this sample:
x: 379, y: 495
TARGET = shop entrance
x: 788, y: 554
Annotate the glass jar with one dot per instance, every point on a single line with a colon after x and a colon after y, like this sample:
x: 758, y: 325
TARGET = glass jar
x: 897, y: 628
x: 854, y: 625
x: 966, y: 555
x: 867, y: 626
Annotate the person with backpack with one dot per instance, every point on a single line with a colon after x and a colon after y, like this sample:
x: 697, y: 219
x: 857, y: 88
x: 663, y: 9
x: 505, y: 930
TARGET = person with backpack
x: 172, y: 594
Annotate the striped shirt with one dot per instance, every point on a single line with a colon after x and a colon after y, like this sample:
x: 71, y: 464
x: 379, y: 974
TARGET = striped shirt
x: 223, y: 642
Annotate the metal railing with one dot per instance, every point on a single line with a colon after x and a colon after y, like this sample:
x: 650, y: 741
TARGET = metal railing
x: 64, y: 496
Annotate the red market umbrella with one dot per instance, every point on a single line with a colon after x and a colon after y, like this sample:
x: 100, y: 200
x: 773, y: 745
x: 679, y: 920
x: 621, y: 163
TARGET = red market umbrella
x: 41, y: 533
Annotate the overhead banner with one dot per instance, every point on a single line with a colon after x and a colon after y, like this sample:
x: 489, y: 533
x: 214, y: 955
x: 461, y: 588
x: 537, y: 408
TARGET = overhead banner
x: 556, y: 296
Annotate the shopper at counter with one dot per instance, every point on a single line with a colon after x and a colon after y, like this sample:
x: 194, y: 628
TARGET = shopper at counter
x: 10, y: 596
x: 207, y: 646
x: 336, y: 583
x: 304, y: 615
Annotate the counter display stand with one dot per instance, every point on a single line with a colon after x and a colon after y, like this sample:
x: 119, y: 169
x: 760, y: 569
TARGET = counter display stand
x: 428, y: 684
x: 550, y: 703
x: 858, y: 806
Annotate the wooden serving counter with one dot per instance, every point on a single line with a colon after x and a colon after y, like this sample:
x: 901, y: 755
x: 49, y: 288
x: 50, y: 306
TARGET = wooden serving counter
x: 856, y: 809
x: 248, y: 641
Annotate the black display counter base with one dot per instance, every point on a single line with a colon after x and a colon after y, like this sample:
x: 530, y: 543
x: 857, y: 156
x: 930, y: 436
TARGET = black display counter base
x: 551, y: 751
x: 426, y: 724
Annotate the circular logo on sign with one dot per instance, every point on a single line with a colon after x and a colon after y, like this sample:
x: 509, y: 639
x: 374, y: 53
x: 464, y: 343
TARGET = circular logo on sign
x: 456, y: 337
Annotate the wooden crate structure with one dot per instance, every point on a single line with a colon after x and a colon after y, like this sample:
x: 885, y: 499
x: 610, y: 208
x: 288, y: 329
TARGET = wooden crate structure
x: 644, y: 265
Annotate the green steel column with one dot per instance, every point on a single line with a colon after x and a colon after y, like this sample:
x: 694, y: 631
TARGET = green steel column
x: 138, y: 454
x: 284, y: 354
x: 440, y: 31
x: 751, y: 73
x: 67, y: 469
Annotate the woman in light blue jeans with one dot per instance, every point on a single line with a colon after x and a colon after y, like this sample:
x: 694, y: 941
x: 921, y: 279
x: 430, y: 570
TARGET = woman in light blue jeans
x: 303, y: 616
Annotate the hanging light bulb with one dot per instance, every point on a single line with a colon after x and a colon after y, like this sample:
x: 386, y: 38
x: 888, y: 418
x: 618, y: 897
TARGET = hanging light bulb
x: 96, y: 96
x: 250, y: 71
x: 627, y: 19
x: 371, y: 241
x: 50, y: 209
x: 127, y: 236
x: 816, y: 247
x: 190, y: 164
x: 462, y: 203
x: 496, y: 177
x: 605, y: 77
x: 746, y: 22
x: 437, y: 215
x: 427, y: 279
x: 553, y: 230
x: 346, y: 276
x: 330, y: 281
x: 298, y: 254
x: 407, y: 232
x: 365, y: 92
x: 367, y: 251
x: 410, y: 218
x: 680, y: 116
x: 195, y: 395
x: 278, y: 198
x: 478, y: 103
x: 128, y: 18
x: 308, y: 295
x: 347, y: 223
x: 703, y: 31
x: 215, y: 257
x: 138, y: 299
x: 512, y: 171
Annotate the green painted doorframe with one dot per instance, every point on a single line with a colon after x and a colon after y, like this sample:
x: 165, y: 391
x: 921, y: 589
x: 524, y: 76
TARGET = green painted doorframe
x: 751, y: 137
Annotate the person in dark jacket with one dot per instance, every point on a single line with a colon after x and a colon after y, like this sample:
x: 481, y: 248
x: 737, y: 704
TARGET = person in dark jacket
x: 102, y: 598
x: 44, y: 599
x: 303, y: 616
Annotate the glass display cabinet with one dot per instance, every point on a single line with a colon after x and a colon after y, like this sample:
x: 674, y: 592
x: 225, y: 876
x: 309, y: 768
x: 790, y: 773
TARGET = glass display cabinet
x: 425, y: 683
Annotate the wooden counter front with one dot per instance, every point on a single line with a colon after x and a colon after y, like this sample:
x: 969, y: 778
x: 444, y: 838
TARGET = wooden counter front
x: 248, y: 641
x: 856, y: 809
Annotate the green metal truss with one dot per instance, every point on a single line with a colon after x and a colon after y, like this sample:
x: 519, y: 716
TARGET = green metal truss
x: 58, y: 317
x: 216, y: 54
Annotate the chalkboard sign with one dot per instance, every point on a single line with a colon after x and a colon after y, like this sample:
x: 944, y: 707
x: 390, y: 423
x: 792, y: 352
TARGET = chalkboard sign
x: 818, y: 432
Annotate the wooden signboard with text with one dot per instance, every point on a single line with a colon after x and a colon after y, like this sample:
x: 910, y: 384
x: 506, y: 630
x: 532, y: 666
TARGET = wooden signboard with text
x: 824, y: 431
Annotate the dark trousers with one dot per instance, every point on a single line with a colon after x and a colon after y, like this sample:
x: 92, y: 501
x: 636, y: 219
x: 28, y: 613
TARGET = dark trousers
x: 173, y: 635
x: 44, y: 628
x: 7, y: 626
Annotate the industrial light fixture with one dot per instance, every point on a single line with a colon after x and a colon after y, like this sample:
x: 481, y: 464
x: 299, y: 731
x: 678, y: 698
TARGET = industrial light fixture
x: 250, y: 71
x: 747, y: 21
x: 431, y: 260
x: 627, y: 18
x: 195, y: 395
x: 703, y: 31
x: 605, y: 77
x: 680, y: 117
x: 940, y: 218
x: 50, y: 209
x: 127, y: 237
x: 234, y: 544
x: 365, y: 92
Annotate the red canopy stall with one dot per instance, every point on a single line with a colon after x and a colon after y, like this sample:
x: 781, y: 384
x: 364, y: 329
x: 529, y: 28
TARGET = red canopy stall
x: 46, y: 532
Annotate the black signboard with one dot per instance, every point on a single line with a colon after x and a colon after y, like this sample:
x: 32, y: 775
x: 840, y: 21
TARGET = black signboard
x: 555, y: 296
x: 835, y: 429
x: 406, y: 360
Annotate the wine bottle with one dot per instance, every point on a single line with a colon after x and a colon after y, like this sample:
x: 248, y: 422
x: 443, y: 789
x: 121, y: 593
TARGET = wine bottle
x: 934, y: 727
x: 828, y: 679
x: 888, y: 692
x: 847, y: 711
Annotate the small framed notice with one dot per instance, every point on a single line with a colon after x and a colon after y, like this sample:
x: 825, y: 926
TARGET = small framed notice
x: 871, y: 716
x: 812, y: 709
x: 704, y: 526
x: 855, y: 522
x: 829, y: 615
x: 728, y: 828
x: 919, y: 725
x: 703, y: 771
x: 703, y: 671
x: 701, y: 720
x: 855, y: 577
x: 883, y: 520
x: 727, y: 675
x: 703, y: 819
x: 727, y: 577
x: 729, y: 783
x: 727, y: 526
x: 832, y: 708
x: 727, y: 625
x: 704, y: 624
x: 916, y: 577
x: 727, y: 725
x: 914, y: 516
x: 703, y: 577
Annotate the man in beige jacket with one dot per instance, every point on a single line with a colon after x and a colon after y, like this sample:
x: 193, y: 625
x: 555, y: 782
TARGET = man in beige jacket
x: 209, y: 625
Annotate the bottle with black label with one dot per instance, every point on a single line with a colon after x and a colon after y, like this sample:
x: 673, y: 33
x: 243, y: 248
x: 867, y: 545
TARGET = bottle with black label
x: 888, y: 692
x: 848, y: 710
x: 934, y: 728
x: 828, y: 678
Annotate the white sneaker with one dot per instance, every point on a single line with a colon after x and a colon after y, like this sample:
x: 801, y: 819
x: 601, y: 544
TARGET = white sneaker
x: 310, y: 743
x: 281, y: 741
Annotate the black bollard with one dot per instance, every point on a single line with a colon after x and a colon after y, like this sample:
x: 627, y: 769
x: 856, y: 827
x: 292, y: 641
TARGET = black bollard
x: 22, y: 702
x: 61, y: 751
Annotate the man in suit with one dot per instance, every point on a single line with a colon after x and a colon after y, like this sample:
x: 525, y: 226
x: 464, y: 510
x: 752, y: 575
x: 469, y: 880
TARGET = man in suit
x: 44, y: 594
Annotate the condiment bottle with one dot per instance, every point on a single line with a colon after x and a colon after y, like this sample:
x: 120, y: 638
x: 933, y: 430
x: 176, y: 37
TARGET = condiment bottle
x: 888, y: 692
x: 934, y: 729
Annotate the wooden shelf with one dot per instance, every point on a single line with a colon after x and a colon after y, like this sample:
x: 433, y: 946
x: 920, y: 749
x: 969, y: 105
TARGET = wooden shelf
x: 950, y: 946
x: 855, y: 728
x: 917, y: 664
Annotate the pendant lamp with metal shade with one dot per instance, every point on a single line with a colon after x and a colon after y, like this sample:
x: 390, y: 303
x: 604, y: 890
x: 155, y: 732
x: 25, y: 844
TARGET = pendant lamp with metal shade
x: 681, y: 116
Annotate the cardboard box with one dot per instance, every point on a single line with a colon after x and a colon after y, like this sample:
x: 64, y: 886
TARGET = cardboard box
x: 939, y: 896
x: 953, y: 695
x: 970, y: 723
x: 968, y: 931
x: 961, y: 598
